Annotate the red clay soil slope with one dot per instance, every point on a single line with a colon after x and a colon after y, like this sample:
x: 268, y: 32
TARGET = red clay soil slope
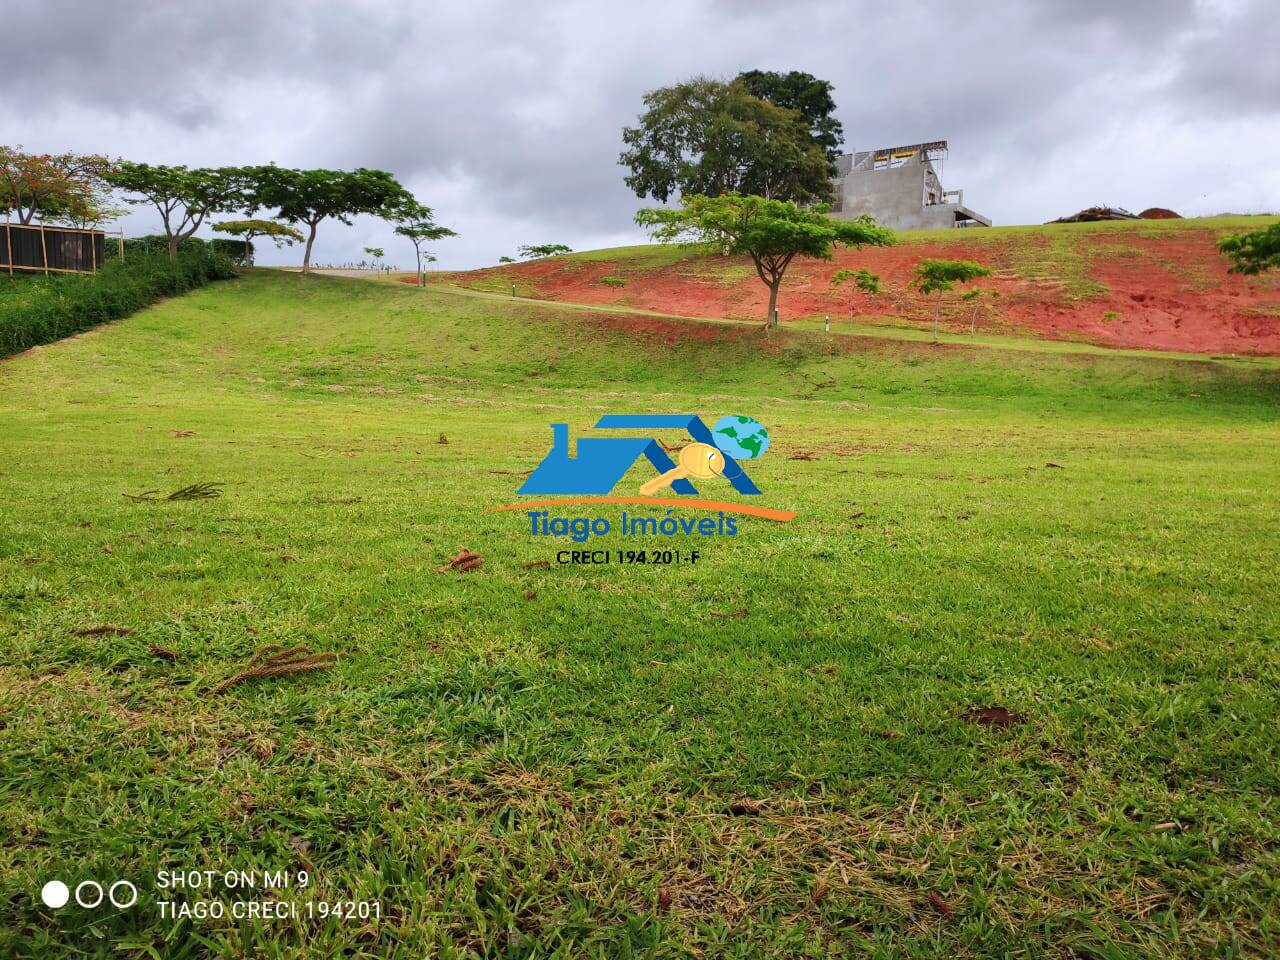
x: 1158, y: 285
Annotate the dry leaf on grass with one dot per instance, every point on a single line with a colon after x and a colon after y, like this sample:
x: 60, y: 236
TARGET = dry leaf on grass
x: 993, y: 717
x: 184, y: 433
x: 938, y: 903
x: 464, y: 560
x: 729, y: 614
x: 103, y: 631
x: 535, y: 565
x: 164, y: 653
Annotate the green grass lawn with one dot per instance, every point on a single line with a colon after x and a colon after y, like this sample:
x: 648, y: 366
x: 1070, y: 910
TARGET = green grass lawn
x: 589, y: 761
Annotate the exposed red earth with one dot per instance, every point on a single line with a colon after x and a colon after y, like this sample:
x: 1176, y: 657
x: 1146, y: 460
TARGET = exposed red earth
x: 1146, y: 287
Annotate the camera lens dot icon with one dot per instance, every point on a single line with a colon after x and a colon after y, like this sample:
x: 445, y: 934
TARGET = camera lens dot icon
x: 55, y: 894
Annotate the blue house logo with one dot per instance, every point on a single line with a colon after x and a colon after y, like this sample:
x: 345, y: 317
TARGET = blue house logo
x: 601, y: 462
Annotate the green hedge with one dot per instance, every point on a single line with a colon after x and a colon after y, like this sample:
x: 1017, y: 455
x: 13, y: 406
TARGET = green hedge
x: 37, y: 309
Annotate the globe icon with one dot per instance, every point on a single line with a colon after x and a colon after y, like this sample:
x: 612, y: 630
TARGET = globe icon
x: 741, y: 437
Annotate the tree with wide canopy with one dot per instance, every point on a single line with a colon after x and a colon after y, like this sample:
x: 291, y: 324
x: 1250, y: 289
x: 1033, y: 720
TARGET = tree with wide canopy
x: 771, y: 232
x: 312, y: 196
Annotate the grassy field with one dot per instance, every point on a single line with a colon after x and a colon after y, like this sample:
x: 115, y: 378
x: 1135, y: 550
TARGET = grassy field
x: 594, y: 761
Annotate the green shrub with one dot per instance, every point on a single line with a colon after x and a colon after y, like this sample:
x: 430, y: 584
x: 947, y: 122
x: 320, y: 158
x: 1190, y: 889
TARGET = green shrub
x: 153, y: 243
x: 41, y: 309
x: 614, y: 281
x: 237, y: 251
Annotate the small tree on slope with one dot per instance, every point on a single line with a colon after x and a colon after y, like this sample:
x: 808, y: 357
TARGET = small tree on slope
x: 539, y: 250
x: 860, y: 280
x: 246, y: 230
x: 771, y: 232
x: 939, y: 276
x: 417, y: 223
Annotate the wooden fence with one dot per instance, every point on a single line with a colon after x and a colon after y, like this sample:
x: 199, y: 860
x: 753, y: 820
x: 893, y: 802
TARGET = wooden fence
x: 35, y: 246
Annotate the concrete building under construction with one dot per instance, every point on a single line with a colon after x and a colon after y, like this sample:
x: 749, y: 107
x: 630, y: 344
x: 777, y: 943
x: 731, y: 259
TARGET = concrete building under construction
x: 899, y: 187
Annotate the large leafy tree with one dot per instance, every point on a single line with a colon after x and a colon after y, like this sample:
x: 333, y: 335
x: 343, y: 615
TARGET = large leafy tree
x: 706, y: 137
x: 183, y: 197
x: 247, y: 230
x: 805, y: 94
x: 771, y: 232
x: 87, y: 210
x: 312, y: 196
x: 418, y: 224
x: 61, y: 186
x: 1254, y: 252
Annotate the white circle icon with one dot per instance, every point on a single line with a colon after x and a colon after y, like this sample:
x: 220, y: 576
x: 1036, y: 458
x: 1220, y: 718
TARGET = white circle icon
x: 132, y: 894
x: 92, y: 885
x: 55, y: 894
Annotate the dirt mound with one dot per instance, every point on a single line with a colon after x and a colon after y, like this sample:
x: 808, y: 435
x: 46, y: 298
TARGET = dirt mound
x: 1115, y: 285
x: 1094, y: 214
x: 1159, y: 213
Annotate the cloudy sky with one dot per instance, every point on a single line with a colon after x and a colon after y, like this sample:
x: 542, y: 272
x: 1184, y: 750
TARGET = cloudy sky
x: 506, y: 116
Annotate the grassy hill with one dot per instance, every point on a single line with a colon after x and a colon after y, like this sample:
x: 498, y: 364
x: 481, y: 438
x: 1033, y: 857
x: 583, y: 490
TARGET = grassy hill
x: 774, y: 752
x: 1148, y: 284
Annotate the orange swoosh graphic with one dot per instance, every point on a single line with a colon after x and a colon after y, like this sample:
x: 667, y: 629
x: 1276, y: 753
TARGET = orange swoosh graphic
x: 767, y: 513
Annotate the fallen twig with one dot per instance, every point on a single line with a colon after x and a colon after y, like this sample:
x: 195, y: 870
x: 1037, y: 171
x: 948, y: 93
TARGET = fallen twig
x: 274, y: 660
x: 197, y: 491
x: 103, y: 631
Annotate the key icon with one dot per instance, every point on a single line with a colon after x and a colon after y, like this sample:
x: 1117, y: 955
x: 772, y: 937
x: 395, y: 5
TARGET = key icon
x: 698, y: 460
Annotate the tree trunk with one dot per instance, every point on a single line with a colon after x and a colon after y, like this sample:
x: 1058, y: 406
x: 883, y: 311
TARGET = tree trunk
x: 173, y: 246
x: 306, y: 259
x: 937, y: 309
x: 421, y: 279
x: 772, y: 319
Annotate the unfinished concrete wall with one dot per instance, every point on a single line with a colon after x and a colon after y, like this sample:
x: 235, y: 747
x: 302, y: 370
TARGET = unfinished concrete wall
x: 904, y: 197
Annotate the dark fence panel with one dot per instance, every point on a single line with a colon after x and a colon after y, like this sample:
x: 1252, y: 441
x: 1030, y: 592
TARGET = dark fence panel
x: 62, y: 248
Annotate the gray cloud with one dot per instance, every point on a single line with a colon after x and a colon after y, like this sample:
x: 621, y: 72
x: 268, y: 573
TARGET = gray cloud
x: 506, y: 116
